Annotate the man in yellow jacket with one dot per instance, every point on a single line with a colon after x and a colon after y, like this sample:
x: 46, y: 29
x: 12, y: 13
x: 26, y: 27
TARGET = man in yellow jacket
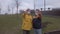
x: 27, y: 22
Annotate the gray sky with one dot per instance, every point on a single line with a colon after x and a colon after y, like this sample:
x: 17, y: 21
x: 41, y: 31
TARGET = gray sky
x: 24, y: 4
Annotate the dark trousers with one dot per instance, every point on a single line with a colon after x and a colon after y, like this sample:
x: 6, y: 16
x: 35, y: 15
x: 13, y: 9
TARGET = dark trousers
x: 26, y: 32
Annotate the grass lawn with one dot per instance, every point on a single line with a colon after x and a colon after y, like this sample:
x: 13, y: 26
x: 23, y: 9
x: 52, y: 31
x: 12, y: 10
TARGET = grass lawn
x: 12, y: 25
x: 55, y: 23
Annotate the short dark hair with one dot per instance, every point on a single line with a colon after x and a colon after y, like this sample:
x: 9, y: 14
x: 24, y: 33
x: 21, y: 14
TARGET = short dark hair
x: 37, y: 10
x: 27, y: 9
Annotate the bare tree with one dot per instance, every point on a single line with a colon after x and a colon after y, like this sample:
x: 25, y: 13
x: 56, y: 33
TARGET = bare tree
x: 13, y: 5
x: 0, y: 9
x: 12, y: 10
x: 17, y: 5
x: 8, y: 8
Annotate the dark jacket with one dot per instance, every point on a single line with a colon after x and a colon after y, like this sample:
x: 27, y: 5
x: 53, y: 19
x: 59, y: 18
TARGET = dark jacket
x: 36, y: 23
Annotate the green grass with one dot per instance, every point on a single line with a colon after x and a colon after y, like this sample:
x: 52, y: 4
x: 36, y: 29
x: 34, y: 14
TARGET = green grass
x: 10, y: 24
x: 55, y: 23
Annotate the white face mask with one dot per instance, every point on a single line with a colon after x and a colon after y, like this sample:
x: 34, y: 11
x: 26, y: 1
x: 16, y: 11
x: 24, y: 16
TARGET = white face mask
x: 28, y: 12
x: 36, y: 14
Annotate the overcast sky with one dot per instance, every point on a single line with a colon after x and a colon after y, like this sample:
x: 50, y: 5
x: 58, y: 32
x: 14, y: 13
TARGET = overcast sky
x: 24, y: 4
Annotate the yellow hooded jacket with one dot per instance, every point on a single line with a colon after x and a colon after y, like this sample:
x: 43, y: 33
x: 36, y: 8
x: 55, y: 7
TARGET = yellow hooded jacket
x: 27, y: 22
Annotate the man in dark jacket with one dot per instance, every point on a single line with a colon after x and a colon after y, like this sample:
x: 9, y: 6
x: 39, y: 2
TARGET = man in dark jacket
x: 37, y: 24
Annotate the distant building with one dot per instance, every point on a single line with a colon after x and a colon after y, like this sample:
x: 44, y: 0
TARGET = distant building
x: 55, y: 9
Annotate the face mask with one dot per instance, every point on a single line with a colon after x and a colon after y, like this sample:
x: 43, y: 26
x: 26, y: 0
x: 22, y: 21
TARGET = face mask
x: 36, y: 14
x: 28, y: 12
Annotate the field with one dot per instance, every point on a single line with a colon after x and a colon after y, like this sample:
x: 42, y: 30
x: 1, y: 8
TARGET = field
x: 10, y: 24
